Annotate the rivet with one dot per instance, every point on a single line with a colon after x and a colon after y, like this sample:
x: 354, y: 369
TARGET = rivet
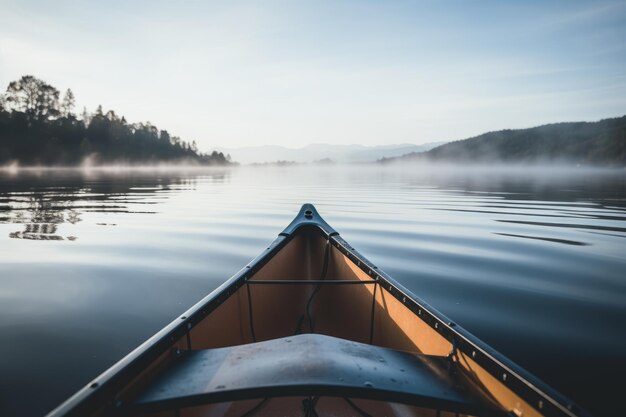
x: 540, y: 404
x: 436, y: 325
x: 473, y: 353
x: 404, y: 299
x: 419, y: 313
x: 504, y: 377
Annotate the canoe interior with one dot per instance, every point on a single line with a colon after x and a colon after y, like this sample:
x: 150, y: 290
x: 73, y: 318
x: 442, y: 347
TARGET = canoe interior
x: 337, y: 310
x: 250, y: 309
x: 362, y: 313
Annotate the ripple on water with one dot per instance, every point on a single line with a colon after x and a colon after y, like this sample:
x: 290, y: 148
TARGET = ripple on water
x: 96, y: 262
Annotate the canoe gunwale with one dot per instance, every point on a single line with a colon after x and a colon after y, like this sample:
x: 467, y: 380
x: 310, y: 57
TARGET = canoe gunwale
x: 102, y: 391
x: 112, y: 381
x: 517, y: 379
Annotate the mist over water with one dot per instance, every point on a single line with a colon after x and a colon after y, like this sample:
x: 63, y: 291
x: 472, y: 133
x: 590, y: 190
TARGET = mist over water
x: 94, y: 261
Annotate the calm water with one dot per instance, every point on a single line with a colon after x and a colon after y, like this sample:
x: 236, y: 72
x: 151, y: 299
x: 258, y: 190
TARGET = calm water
x: 92, y: 264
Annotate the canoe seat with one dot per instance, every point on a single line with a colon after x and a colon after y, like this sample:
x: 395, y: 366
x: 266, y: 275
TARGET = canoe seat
x: 310, y: 365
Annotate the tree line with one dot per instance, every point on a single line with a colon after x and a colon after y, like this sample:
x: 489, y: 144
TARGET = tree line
x: 38, y: 126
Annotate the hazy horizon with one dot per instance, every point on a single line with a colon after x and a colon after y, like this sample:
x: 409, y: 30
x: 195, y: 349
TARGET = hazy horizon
x: 290, y: 74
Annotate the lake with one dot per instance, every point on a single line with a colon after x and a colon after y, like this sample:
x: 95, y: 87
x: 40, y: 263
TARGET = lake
x: 93, y: 262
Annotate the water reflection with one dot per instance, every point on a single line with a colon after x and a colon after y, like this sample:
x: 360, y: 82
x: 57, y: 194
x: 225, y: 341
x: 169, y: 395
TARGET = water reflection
x: 56, y: 197
x: 39, y: 215
x: 39, y: 231
x: 532, y: 262
x: 568, y: 225
x: 547, y: 239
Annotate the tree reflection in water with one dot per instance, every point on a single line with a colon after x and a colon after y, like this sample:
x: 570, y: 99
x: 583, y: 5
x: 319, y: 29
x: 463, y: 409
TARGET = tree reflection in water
x: 41, y: 215
x: 56, y: 198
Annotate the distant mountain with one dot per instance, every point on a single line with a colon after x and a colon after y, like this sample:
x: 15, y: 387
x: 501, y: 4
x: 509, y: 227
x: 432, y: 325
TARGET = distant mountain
x: 585, y: 143
x: 317, y: 152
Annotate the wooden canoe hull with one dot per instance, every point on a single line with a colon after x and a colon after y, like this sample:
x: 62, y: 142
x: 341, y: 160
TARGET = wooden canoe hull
x: 268, y: 299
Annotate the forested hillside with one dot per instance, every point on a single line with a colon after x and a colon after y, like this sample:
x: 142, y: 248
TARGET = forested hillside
x: 585, y: 143
x: 39, y: 127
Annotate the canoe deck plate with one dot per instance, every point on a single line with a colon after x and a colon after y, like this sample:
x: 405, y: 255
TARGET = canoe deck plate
x: 310, y: 365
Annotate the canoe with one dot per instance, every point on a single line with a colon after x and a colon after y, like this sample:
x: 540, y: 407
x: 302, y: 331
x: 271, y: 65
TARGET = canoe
x: 312, y: 328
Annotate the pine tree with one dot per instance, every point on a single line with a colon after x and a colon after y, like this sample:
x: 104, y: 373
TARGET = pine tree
x: 67, y: 104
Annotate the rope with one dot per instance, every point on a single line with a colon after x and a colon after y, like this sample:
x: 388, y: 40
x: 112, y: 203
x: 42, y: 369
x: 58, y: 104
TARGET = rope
x: 255, y: 408
x: 356, y: 408
x: 308, y: 405
x: 307, y: 313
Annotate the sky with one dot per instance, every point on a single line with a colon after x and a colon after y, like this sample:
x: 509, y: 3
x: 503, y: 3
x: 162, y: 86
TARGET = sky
x: 242, y: 73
